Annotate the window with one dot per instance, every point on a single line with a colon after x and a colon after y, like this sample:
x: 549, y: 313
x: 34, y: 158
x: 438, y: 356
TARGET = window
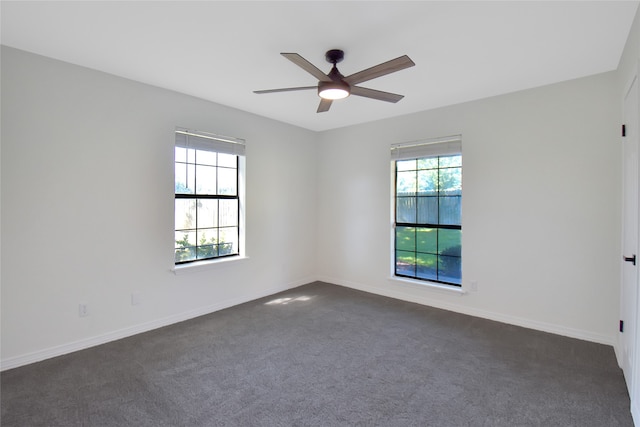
x: 427, y: 202
x: 208, y: 203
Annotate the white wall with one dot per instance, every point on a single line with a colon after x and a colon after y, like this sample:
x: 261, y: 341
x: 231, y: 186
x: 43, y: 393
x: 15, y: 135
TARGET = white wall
x: 87, y: 207
x: 627, y: 67
x: 541, y: 206
x: 86, y: 192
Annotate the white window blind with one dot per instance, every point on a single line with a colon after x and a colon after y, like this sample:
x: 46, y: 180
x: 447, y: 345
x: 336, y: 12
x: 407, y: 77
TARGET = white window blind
x: 209, y: 142
x: 442, y: 146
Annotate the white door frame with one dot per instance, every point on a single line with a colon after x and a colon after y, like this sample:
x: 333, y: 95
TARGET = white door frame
x: 633, y: 377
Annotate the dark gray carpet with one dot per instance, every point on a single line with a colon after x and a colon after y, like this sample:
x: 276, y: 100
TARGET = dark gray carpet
x: 324, y: 355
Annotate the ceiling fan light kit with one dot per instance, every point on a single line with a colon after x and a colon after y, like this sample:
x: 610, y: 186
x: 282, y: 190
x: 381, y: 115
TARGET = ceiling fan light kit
x: 333, y: 90
x: 333, y: 86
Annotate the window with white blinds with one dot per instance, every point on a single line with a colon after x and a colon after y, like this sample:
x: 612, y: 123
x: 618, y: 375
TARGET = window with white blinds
x: 208, y: 199
x: 428, y: 210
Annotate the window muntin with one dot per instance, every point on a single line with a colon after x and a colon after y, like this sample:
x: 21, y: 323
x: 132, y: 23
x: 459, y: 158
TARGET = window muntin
x: 428, y: 228
x: 207, y: 199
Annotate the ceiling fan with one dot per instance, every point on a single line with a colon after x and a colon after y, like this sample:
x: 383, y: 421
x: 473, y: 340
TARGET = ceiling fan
x: 334, y: 85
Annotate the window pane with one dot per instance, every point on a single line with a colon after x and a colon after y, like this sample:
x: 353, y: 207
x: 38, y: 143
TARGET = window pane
x: 428, y: 163
x: 228, y: 241
x: 207, y: 236
x: 184, y: 174
x: 449, y: 161
x: 405, y: 263
x: 427, y: 210
x: 185, y: 213
x: 427, y: 266
x: 406, y: 183
x: 406, y: 209
x: 191, y: 155
x: 207, y: 213
x: 185, y: 239
x: 405, y: 238
x: 227, y: 181
x: 181, y: 154
x: 449, y: 242
x: 427, y: 240
x: 450, y: 181
x: 204, y: 157
x: 227, y: 160
x: 428, y: 182
x: 206, y: 176
x: 450, y: 210
x: 405, y: 165
x: 207, y: 251
x: 450, y: 269
x: 228, y: 213
x: 185, y: 254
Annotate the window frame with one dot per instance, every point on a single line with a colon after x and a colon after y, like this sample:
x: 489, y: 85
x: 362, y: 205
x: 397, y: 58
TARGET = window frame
x: 414, y: 150
x: 218, y: 144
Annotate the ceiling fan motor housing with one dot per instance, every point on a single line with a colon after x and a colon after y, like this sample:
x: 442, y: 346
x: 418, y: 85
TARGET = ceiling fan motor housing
x: 334, y: 56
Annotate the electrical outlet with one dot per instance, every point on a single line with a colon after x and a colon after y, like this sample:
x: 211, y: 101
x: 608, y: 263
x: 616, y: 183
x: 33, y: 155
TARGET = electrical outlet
x: 473, y: 286
x: 83, y: 310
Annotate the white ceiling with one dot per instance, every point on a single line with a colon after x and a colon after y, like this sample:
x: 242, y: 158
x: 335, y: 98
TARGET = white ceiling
x: 223, y: 51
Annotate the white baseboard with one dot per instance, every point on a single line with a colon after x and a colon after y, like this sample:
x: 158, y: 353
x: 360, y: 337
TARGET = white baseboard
x: 48, y: 353
x: 391, y: 291
x: 424, y: 299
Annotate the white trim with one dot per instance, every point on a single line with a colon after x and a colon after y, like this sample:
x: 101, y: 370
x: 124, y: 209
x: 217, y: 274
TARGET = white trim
x: 424, y: 299
x: 431, y: 286
x: 213, y: 264
x: 37, y: 356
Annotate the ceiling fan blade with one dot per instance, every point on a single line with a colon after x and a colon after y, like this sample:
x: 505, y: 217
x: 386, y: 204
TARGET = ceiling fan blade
x: 380, y: 70
x: 286, y: 89
x: 375, y: 94
x: 325, y: 104
x: 307, y: 66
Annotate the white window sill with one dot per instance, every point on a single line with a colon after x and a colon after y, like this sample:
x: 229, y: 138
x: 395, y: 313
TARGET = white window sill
x: 195, y: 267
x: 434, y: 286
